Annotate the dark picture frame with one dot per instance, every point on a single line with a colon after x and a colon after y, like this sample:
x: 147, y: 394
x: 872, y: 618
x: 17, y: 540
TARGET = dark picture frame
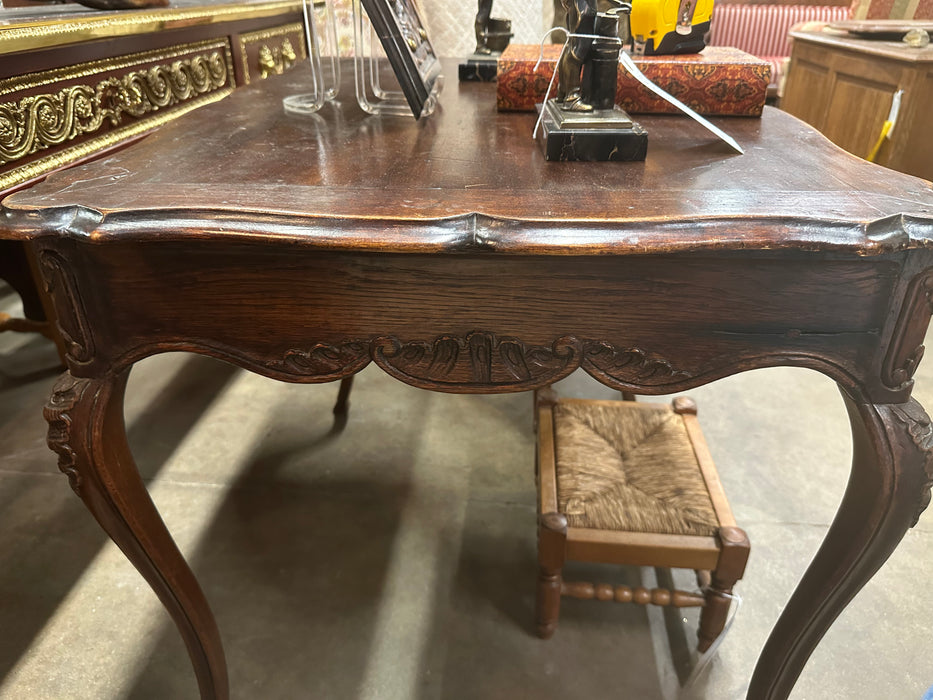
x: 401, y: 31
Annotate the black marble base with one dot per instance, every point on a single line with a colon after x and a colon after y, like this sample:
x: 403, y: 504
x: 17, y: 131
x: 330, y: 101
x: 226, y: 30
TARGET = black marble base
x: 597, y: 136
x: 479, y: 68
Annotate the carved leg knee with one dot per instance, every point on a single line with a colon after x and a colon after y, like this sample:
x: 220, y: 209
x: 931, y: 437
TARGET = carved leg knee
x: 86, y: 430
x: 892, y: 469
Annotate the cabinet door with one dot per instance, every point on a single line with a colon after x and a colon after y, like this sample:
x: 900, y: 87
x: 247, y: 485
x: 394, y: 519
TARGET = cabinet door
x: 910, y: 148
x: 857, y: 112
x: 844, y: 93
x: 808, y: 83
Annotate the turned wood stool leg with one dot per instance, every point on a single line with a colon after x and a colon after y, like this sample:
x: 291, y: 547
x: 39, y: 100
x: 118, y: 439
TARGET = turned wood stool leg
x: 733, y: 556
x: 552, y: 538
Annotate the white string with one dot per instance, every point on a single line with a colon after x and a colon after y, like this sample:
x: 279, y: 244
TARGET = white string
x: 633, y: 70
x: 704, y: 659
x: 534, y: 134
x: 705, y: 123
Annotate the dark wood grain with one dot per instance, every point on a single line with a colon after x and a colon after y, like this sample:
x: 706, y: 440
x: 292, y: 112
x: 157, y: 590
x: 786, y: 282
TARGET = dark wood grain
x: 326, y: 315
x: 450, y: 254
x: 892, y: 463
x: 469, y: 178
x: 14, y: 269
x: 67, y: 48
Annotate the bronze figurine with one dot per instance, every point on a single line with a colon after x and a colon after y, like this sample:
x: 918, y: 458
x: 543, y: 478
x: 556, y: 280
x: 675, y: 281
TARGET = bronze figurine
x: 481, y: 27
x: 587, y: 69
x: 581, y: 19
x: 492, y: 37
x: 583, y: 122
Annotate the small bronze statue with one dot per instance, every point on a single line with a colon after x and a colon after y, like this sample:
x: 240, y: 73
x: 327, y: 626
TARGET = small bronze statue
x: 492, y: 36
x: 581, y: 20
x: 481, y: 27
x: 583, y: 122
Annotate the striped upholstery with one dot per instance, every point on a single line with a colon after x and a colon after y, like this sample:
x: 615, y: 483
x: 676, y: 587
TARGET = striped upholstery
x: 892, y: 9
x: 762, y: 30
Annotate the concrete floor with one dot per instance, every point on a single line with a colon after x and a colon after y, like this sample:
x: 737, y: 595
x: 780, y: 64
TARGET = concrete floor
x: 397, y: 559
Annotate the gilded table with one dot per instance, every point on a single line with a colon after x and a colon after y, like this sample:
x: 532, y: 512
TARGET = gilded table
x: 448, y: 253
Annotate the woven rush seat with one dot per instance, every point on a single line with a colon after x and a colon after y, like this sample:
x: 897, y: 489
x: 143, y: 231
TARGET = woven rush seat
x: 629, y: 466
x: 625, y: 482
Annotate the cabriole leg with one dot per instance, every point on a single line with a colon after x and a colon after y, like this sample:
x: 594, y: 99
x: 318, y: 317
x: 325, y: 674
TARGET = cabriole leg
x: 889, y: 486
x: 86, y: 429
x: 342, y: 405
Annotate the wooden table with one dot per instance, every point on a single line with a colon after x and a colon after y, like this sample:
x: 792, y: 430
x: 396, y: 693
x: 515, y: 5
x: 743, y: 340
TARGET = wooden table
x: 451, y: 255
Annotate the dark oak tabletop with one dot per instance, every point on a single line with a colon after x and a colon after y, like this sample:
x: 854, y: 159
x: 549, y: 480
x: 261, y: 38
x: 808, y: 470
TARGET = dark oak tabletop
x: 470, y: 178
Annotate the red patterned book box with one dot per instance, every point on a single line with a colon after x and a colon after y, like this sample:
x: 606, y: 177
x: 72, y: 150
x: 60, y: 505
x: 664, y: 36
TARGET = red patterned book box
x: 718, y: 81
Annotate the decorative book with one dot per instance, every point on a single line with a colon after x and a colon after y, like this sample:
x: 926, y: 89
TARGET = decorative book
x: 718, y: 81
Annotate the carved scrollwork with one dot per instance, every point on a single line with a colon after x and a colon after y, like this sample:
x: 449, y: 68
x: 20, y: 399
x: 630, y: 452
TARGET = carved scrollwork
x: 71, y: 318
x: 479, y: 360
x: 907, y: 348
x: 629, y: 365
x: 37, y: 122
x: 65, y: 396
x: 328, y: 362
x: 920, y: 430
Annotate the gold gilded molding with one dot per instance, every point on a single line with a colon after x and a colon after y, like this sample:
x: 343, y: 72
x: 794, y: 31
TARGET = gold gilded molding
x: 276, y: 61
x: 165, y: 83
x: 280, y: 56
x: 29, y: 81
x: 28, y: 36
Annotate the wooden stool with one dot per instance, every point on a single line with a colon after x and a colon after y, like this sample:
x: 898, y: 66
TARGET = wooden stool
x: 621, y: 482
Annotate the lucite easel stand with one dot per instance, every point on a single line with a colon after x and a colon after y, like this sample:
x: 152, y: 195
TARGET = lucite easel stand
x: 317, y: 46
x: 367, y: 56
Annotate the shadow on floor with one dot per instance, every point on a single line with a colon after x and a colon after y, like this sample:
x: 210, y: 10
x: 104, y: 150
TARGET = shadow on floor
x: 295, y: 575
x: 299, y: 565
x: 294, y: 562
x: 59, y: 536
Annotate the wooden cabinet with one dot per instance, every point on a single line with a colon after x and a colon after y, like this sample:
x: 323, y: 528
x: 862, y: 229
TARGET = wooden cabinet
x: 76, y: 82
x: 844, y: 87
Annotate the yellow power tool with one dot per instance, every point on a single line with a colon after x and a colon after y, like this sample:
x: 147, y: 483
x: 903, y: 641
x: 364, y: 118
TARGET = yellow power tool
x: 669, y: 26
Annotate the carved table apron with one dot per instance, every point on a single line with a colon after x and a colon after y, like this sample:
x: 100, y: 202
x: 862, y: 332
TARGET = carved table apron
x: 450, y: 255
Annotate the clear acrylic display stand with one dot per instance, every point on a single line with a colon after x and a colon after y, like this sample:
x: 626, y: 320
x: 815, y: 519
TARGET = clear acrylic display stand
x: 317, y: 44
x: 367, y: 55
